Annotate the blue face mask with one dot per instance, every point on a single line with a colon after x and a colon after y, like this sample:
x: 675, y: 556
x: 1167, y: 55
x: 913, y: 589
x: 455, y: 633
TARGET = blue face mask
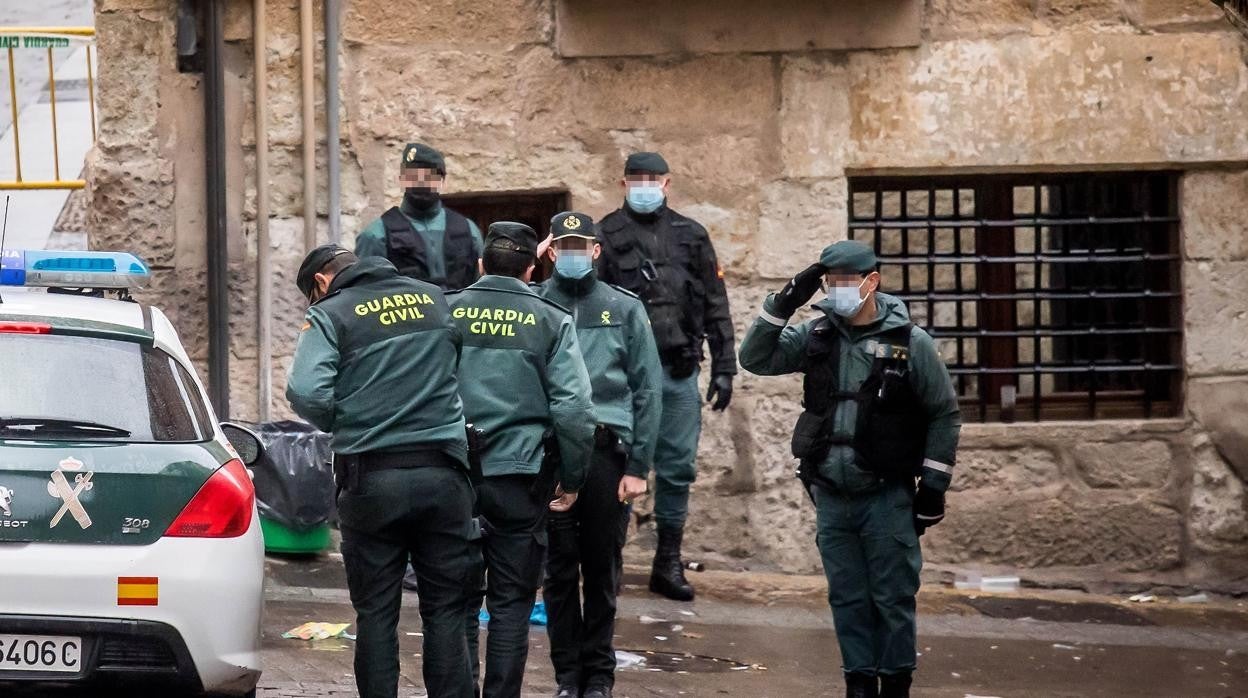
x: 573, y: 265
x: 846, y: 300
x: 645, y: 198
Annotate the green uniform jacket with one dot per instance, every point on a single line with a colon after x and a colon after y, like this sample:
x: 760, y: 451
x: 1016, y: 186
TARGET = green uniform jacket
x: 615, y: 338
x: 375, y: 364
x: 521, y: 374
x: 771, y: 349
x: 371, y: 242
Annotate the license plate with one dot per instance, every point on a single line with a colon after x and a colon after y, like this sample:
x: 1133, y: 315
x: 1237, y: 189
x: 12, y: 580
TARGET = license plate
x: 40, y: 653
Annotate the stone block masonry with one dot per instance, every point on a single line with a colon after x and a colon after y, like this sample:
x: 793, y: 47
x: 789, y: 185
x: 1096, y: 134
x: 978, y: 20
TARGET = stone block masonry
x: 763, y: 145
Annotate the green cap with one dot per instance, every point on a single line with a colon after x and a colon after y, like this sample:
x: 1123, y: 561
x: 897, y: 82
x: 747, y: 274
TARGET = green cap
x: 571, y: 224
x: 421, y: 155
x: 849, y: 255
x: 509, y: 235
x: 649, y: 163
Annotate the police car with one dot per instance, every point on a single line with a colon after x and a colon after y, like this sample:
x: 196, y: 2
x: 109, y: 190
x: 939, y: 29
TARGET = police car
x: 130, y: 546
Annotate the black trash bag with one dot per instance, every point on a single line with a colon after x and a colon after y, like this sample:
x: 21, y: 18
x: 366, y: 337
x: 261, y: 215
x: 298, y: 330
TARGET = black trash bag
x: 294, y: 479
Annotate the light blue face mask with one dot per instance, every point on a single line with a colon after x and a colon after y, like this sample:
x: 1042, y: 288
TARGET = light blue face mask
x: 846, y: 300
x: 573, y: 265
x: 645, y: 198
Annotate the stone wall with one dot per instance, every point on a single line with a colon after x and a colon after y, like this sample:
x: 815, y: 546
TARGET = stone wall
x: 761, y: 145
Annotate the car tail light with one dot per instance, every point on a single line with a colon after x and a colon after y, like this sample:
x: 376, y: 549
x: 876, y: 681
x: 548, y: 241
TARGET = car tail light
x: 221, y: 509
x: 25, y: 328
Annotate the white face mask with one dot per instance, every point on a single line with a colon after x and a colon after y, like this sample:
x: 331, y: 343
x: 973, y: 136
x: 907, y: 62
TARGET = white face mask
x: 846, y: 300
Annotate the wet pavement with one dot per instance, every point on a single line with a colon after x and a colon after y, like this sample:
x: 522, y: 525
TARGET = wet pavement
x: 1021, y: 645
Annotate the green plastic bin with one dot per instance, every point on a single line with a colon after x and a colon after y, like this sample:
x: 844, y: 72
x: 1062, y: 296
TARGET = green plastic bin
x: 283, y: 539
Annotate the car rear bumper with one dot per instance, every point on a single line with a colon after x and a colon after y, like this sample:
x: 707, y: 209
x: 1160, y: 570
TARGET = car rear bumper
x: 209, y: 597
x: 115, y: 653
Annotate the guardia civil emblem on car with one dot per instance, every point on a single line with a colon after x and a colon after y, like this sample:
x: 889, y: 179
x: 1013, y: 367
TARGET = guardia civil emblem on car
x: 125, y: 512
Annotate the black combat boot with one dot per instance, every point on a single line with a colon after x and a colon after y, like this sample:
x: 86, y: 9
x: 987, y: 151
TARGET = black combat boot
x: 895, y: 685
x: 667, y: 576
x: 859, y: 685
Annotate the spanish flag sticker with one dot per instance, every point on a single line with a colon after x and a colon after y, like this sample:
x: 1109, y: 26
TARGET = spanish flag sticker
x: 137, y: 591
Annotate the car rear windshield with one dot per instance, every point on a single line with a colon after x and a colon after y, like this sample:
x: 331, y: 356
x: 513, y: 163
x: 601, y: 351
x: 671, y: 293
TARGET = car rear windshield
x: 120, y: 384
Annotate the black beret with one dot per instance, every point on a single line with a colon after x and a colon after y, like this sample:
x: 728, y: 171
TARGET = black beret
x: 421, y: 155
x: 651, y: 163
x: 508, y: 235
x: 571, y: 224
x: 313, y: 263
x: 849, y: 255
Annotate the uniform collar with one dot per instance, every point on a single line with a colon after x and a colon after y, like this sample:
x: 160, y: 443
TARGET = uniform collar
x: 576, y: 287
x: 425, y: 216
x: 362, y: 272
x: 645, y: 217
x: 501, y: 283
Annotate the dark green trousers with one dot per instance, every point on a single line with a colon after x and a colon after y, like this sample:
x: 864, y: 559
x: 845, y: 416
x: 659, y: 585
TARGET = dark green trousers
x: 871, y: 557
x: 424, y: 513
x: 676, y: 452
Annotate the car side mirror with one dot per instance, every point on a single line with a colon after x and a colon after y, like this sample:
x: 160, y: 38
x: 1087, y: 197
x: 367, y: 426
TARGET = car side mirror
x: 244, y: 441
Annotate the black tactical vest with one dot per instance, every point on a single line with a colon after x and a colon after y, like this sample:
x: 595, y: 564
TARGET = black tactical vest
x: 666, y: 278
x: 406, y: 249
x: 890, y: 434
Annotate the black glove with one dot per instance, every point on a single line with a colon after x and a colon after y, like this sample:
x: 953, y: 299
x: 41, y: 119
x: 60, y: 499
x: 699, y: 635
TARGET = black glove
x: 799, y: 290
x: 721, y: 390
x: 929, y: 508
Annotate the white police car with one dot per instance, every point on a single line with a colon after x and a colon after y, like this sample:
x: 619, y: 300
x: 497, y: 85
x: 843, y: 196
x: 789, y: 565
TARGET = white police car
x: 130, y: 547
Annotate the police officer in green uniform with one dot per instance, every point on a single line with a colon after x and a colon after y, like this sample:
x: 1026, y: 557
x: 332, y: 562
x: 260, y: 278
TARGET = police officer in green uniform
x: 375, y: 367
x: 668, y: 260
x: 420, y: 236
x: 524, y: 384
x: 880, y: 411
x: 588, y: 541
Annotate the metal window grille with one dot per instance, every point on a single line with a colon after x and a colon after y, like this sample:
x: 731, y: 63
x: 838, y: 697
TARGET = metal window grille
x: 1050, y: 296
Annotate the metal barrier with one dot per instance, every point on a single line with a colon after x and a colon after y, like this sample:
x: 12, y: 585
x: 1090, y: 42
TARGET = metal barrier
x: 27, y: 38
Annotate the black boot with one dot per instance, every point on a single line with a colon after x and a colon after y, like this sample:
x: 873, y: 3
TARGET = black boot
x: 860, y: 686
x: 895, y: 685
x: 667, y: 576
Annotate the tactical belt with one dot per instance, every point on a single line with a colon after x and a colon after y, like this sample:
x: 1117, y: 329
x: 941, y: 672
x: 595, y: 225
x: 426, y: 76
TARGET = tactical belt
x: 375, y: 461
x: 349, y: 468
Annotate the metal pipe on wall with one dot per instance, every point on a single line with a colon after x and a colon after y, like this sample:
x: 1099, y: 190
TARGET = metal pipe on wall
x: 307, y: 78
x: 264, y: 267
x: 214, y: 210
x: 333, y: 186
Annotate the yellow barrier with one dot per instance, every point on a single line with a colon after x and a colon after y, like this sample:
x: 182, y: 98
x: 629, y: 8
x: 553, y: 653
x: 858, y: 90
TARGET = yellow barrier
x: 45, y: 38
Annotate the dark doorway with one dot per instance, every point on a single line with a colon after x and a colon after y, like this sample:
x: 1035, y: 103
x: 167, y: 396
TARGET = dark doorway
x: 533, y: 208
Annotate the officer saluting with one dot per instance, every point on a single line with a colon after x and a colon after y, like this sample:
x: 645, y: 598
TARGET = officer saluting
x: 880, y: 411
x: 667, y: 260
x: 421, y: 237
x: 521, y: 377
x: 587, y: 541
x: 375, y: 367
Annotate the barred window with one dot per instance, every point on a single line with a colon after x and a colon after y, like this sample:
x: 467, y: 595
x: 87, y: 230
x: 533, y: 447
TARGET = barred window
x: 1050, y: 296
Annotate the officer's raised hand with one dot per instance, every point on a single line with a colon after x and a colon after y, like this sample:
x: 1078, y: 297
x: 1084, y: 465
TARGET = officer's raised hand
x: 929, y: 508
x: 800, y: 289
x: 720, y: 391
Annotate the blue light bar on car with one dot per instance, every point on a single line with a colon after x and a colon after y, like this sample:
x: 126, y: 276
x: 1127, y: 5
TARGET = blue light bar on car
x: 72, y: 269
